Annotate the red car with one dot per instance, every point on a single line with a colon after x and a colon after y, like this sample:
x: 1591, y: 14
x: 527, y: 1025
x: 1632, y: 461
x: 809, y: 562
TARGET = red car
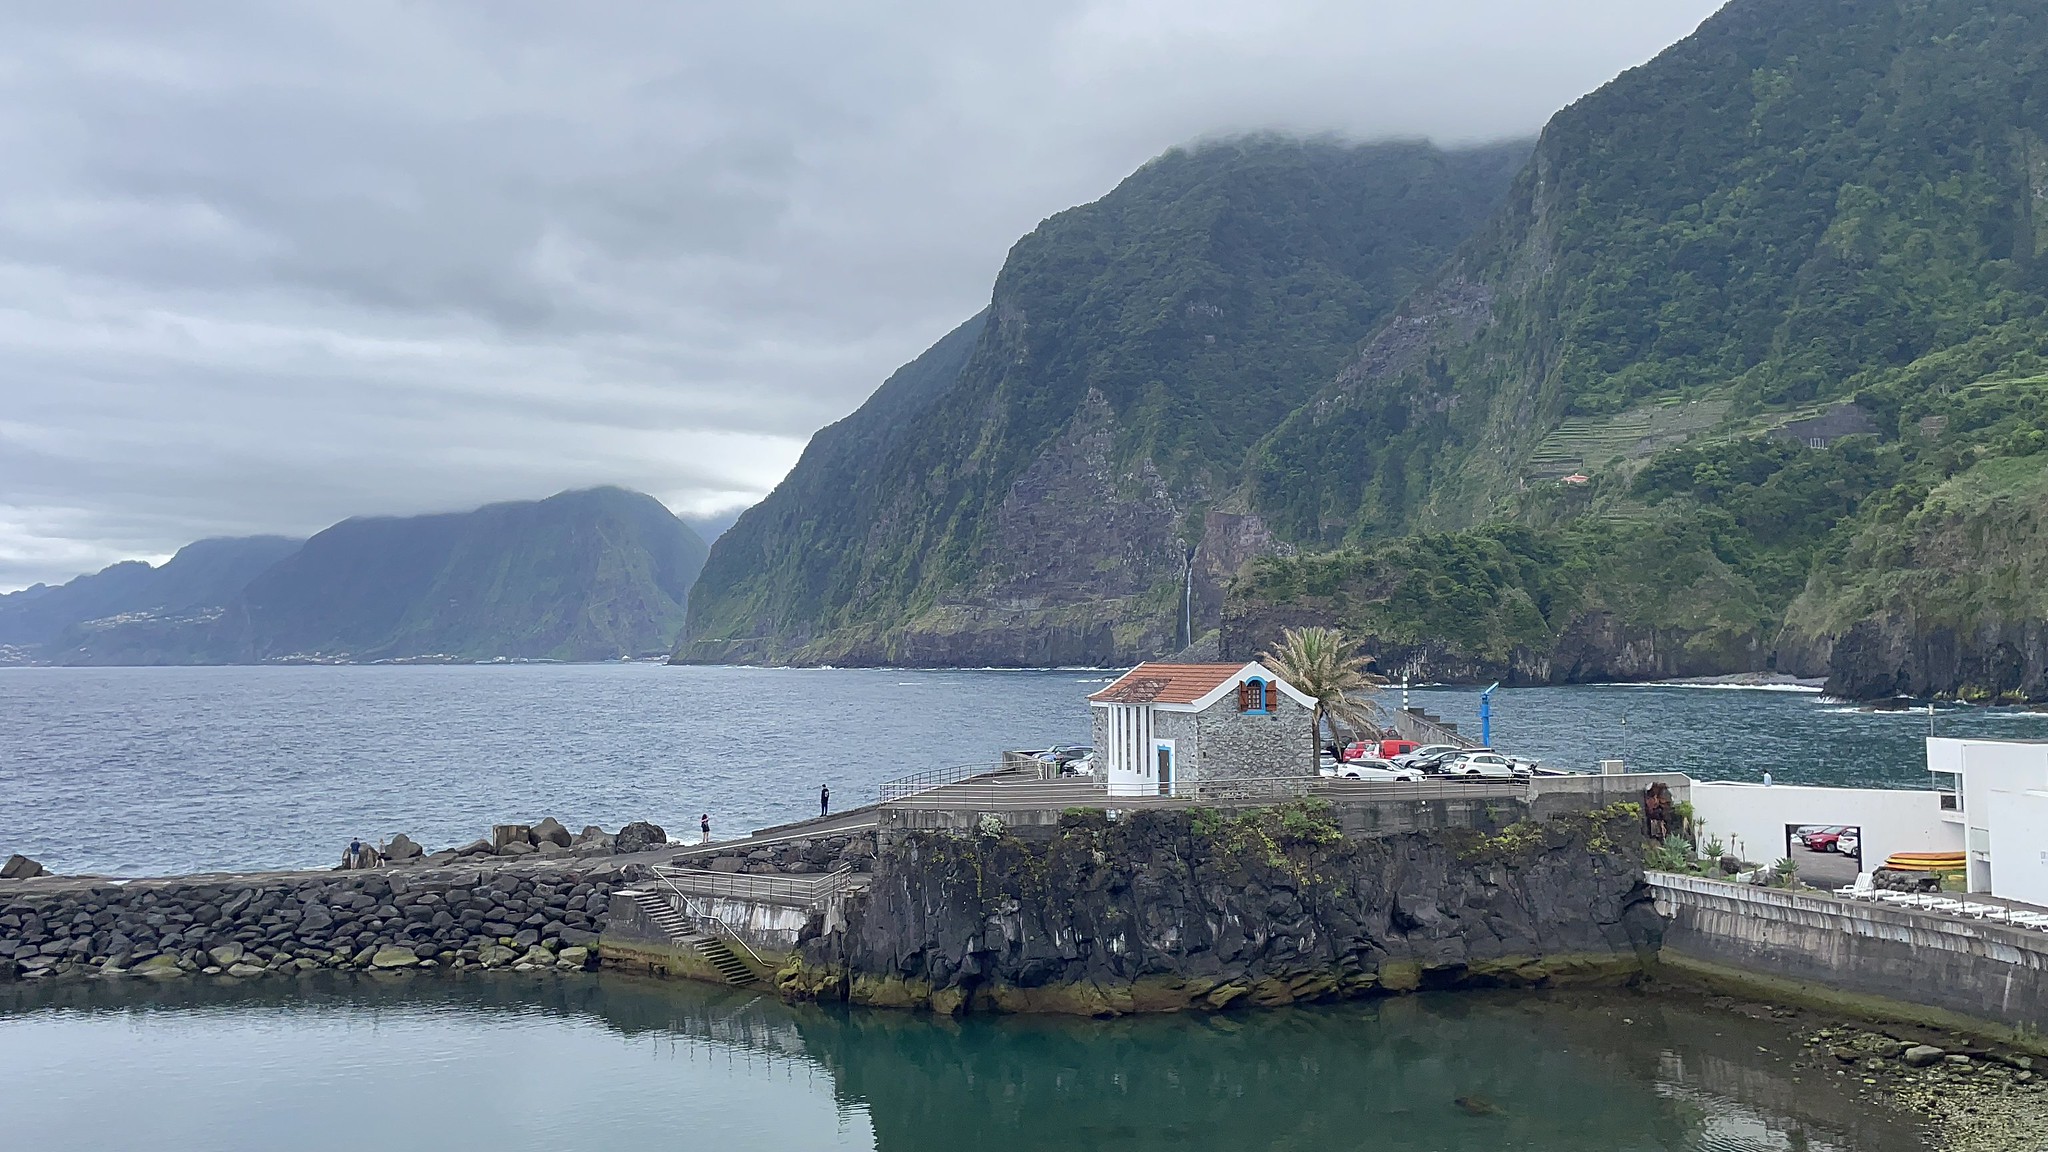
x: 1823, y: 839
x: 1378, y: 749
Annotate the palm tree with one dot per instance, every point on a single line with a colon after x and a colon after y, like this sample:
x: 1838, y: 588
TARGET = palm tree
x: 1319, y: 662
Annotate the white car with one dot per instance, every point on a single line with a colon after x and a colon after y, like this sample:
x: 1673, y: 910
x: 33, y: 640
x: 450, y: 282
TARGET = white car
x: 1366, y: 769
x: 1378, y: 770
x: 1849, y: 844
x: 1483, y: 766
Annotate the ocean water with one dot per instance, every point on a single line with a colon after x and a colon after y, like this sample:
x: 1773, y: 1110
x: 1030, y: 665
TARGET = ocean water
x: 132, y: 771
x: 512, y: 1062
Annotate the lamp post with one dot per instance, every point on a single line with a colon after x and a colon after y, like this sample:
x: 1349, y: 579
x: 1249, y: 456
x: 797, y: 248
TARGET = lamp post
x: 1486, y: 715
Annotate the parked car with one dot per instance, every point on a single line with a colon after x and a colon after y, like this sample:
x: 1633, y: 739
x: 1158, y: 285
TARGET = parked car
x: 1822, y: 839
x: 1376, y: 769
x: 1849, y: 844
x: 1379, y: 749
x: 1426, y: 756
x: 1477, y: 765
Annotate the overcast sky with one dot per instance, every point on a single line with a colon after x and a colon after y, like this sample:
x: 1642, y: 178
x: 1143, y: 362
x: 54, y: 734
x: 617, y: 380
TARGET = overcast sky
x: 267, y: 265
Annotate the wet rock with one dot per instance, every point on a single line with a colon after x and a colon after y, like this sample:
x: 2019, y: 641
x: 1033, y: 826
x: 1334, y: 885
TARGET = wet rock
x: 388, y: 958
x: 245, y: 970
x: 1922, y: 1055
x: 226, y: 954
x: 158, y: 966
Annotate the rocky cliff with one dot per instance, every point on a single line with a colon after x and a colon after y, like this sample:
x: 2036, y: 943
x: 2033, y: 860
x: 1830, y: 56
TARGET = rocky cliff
x: 1050, y: 496
x: 1949, y: 598
x: 1163, y: 911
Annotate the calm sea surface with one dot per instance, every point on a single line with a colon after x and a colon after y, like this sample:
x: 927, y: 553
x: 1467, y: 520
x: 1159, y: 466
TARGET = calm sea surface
x: 617, y: 1062
x: 168, y: 769
x: 153, y: 770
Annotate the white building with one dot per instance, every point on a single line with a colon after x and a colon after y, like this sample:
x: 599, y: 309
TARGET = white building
x: 1996, y: 793
x: 1163, y: 729
x: 1989, y: 801
x: 1755, y: 821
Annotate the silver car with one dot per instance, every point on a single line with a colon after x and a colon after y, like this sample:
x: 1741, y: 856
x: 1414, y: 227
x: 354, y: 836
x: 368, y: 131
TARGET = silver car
x: 1482, y: 766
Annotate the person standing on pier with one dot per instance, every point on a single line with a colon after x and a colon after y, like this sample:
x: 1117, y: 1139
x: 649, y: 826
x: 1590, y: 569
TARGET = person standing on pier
x: 824, y: 800
x: 704, y: 822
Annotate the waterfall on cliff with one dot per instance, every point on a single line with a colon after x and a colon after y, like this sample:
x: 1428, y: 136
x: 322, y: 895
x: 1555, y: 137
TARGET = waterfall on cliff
x: 1187, y: 599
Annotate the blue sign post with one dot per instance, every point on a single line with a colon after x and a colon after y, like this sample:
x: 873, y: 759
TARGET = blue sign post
x: 1486, y: 715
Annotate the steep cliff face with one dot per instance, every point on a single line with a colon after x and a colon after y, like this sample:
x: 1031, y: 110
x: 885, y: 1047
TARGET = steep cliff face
x: 1044, y: 504
x: 1948, y: 599
x: 1524, y: 606
x: 1165, y: 911
x: 1799, y: 198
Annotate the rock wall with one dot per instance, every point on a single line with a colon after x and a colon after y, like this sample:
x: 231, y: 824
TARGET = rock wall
x: 507, y: 915
x: 1163, y: 911
x: 1886, y: 962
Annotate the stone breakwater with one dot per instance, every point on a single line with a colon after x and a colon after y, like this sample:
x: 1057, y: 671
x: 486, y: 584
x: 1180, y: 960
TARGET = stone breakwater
x: 1164, y: 911
x: 496, y: 914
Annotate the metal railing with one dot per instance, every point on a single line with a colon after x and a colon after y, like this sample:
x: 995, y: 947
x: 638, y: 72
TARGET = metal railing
x: 1013, y: 793
x: 686, y: 907
x: 804, y: 891
x: 932, y: 778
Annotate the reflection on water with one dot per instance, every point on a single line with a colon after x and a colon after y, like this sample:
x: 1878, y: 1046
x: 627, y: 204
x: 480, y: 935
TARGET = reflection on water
x: 346, y: 1062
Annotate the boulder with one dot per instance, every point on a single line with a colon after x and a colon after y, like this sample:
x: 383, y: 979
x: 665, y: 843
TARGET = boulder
x: 515, y: 848
x: 639, y: 836
x: 19, y: 867
x: 550, y: 848
x: 1922, y: 1055
x: 444, y: 856
x: 503, y: 834
x: 496, y: 955
x: 726, y: 864
x: 388, y: 958
x: 550, y: 831
x: 402, y: 850
x: 226, y: 954
x: 245, y: 970
x: 591, y: 832
x: 576, y: 956
x: 158, y: 966
x: 477, y: 848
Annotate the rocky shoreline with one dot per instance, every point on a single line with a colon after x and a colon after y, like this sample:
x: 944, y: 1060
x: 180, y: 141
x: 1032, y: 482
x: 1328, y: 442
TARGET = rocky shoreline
x: 527, y: 897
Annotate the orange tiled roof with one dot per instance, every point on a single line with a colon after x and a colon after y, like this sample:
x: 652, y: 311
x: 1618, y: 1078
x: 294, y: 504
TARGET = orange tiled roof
x: 1168, y: 683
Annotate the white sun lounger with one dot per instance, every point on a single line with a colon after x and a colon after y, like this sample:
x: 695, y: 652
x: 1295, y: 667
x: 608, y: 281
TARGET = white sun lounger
x: 2031, y: 919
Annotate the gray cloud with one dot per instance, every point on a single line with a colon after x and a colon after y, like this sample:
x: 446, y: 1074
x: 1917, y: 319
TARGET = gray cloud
x: 266, y: 265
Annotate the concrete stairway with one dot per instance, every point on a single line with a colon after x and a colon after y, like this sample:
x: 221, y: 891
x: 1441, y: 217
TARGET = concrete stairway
x: 722, y: 958
x: 715, y: 952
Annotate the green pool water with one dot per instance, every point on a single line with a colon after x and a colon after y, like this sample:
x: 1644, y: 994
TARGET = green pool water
x: 630, y: 1063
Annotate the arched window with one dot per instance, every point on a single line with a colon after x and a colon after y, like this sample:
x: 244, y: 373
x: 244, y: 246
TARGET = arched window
x: 1255, y: 695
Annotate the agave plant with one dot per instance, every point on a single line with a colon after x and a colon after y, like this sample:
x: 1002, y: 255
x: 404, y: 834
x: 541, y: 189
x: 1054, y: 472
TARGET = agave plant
x: 1322, y: 664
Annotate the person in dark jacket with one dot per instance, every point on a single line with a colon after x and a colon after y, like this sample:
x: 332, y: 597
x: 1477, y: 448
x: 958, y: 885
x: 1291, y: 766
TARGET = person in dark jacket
x: 704, y: 822
x: 825, y: 800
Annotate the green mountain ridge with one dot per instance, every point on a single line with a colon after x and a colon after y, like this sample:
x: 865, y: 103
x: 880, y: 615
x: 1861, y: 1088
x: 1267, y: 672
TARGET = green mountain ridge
x: 1042, y: 508
x: 596, y: 574
x: 1806, y: 207
x: 203, y: 574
